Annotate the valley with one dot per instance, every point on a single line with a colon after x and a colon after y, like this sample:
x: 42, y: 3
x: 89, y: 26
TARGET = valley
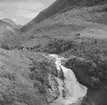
x: 58, y: 58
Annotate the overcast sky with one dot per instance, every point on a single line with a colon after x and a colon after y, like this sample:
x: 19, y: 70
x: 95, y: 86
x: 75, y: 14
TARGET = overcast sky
x: 22, y: 11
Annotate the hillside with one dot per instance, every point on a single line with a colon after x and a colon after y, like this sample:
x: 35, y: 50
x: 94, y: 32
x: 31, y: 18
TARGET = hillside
x: 69, y: 24
x: 10, y: 21
x: 58, y: 6
x: 83, y: 17
x: 8, y: 32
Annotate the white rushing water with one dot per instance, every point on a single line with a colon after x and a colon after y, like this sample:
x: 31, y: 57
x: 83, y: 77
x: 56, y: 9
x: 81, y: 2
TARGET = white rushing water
x: 70, y: 89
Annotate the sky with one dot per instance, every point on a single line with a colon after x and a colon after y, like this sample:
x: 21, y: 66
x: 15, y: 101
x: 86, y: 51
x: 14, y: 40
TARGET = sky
x: 22, y: 11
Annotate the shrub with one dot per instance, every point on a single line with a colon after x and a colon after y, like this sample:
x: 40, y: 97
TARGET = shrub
x: 58, y: 46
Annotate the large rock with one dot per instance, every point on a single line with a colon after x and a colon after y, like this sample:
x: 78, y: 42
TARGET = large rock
x: 92, y: 75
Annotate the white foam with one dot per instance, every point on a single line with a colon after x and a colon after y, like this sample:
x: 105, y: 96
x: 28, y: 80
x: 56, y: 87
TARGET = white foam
x: 73, y: 89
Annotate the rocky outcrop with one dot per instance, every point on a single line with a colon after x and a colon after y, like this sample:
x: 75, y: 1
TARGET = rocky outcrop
x: 75, y: 21
x: 92, y: 75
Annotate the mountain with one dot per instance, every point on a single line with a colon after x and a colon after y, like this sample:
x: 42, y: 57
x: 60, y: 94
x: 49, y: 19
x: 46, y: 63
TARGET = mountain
x: 7, y: 33
x: 58, y: 6
x: 10, y: 21
x: 3, y: 23
x: 67, y: 20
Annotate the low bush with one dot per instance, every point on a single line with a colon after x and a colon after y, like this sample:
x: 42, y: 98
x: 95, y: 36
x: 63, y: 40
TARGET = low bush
x: 58, y: 46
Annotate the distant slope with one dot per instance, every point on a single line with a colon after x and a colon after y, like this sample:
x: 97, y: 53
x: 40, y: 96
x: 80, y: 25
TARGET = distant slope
x: 8, y: 33
x: 3, y: 23
x: 10, y: 21
x: 57, y: 6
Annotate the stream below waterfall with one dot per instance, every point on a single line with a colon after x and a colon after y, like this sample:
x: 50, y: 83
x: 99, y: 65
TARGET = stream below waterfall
x: 71, y: 91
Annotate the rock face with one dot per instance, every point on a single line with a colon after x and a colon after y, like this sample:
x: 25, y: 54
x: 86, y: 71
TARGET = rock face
x: 90, y: 74
x: 71, y: 91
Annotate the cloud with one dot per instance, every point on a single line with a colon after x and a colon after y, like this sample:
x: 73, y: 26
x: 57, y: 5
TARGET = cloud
x: 30, y: 5
x: 29, y: 9
x: 30, y: 15
x: 22, y: 10
x: 0, y: 13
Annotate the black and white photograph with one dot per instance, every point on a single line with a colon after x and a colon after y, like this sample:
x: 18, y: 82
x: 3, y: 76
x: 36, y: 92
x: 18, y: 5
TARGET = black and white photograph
x: 53, y: 52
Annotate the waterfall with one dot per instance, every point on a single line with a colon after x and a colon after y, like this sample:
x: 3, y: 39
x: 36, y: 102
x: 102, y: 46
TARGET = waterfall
x: 70, y: 89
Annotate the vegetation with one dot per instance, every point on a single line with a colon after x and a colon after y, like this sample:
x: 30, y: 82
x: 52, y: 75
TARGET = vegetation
x: 58, y: 46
